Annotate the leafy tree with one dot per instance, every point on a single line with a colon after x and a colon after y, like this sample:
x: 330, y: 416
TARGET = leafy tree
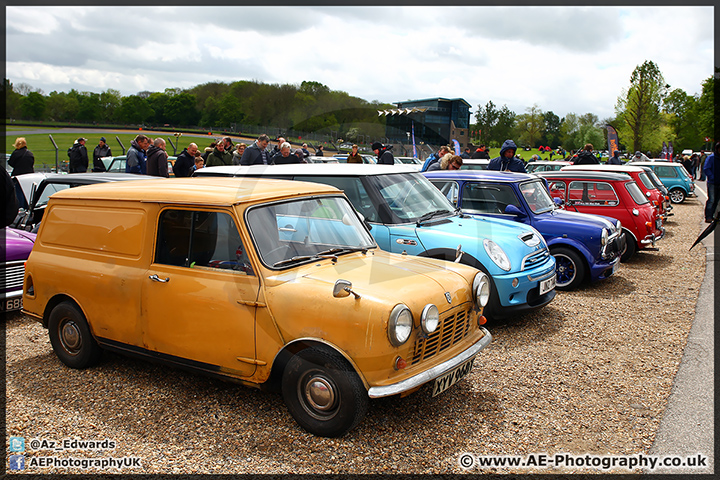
x: 530, y: 126
x: 707, y: 112
x: 157, y: 102
x: 551, y: 135
x: 90, y: 109
x: 180, y: 109
x: 505, y: 126
x: 486, y: 119
x: 33, y: 106
x: 683, y: 118
x: 12, y: 100
x: 110, y: 101
x: 640, y: 105
x: 134, y: 110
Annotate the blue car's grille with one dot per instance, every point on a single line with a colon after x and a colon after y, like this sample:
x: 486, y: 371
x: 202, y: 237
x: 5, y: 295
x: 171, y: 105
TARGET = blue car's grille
x: 452, y: 329
x: 535, y: 258
x: 13, y: 274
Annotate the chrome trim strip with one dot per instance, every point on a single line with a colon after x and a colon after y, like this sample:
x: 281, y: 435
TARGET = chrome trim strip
x: 432, y: 373
x: 543, y: 276
x: 544, y: 253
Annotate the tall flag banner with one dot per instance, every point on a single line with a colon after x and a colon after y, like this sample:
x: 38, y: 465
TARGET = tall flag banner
x: 457, y: 146
x: 413, y: 138
x: 664, y: 152
x: 670, y: 152
x: 613, y: 145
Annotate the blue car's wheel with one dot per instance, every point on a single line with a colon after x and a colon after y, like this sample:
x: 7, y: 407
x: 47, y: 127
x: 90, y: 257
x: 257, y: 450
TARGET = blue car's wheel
x: 569, y: 267
x: 677, y: 195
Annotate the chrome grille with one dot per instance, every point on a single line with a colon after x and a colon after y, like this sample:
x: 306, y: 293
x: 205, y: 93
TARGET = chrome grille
x: 535, y: 258
x: 453, y: 328
x: 13, y: 275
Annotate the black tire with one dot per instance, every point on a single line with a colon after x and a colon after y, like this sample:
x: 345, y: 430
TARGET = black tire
x: 338, y: 401
x: 677, y: 195
x: 569, y: 267
x: 630, y: 247
x: 71, y: 338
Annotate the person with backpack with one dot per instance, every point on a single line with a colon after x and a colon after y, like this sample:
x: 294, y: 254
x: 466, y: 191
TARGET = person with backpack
x: 78, y: 156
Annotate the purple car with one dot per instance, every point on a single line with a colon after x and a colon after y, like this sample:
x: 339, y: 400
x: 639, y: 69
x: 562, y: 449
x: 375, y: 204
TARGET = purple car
x: 18, y: 245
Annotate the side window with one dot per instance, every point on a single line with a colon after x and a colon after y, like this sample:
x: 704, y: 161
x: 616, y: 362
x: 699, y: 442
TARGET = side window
x: 667, y: 172
x: 448, y: 188
x: 188, y: 238
x: 557, y: 189
x: 488, y: 198
x: 592, y: 193
x: 354, y: 191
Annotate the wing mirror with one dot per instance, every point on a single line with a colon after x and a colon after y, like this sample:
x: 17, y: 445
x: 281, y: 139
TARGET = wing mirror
x: 343, y: 288
x: 513, y: 210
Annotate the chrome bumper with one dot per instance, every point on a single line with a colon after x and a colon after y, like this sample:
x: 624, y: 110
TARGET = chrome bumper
x: 433, y: 373
x: 651, y: 239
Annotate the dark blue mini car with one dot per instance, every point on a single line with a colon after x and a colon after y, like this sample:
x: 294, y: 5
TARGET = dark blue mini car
x: 584, y: 246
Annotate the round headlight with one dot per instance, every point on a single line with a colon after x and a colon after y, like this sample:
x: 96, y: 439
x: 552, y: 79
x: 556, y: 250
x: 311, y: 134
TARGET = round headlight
x: 497, y: 254
x: 400, y: 325
x: 430, y: 318
x: 604, y: 236
x: 481, y: 289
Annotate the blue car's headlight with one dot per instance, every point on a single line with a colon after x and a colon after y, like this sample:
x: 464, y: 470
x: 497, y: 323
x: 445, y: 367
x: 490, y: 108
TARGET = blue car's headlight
x: 497, y: 254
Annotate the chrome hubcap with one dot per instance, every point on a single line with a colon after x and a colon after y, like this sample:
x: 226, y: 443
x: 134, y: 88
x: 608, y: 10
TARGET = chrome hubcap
x: 320, y: 393
x: 70, y: 336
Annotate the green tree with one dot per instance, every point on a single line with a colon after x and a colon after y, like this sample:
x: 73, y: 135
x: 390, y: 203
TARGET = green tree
x: 707, y: 111
x: 33, y: 106
x: 486, y: 119
x: 640, y: 105
x: 12, y: 100
x: 180, y: 109
x: 551, y: 135
x: 530, y: 126
x: 110, y: 101
x: 134, y: 110
x: 157, y: 102
x: 683, y: 117
x: 90, y: 109
x: 505, y: 126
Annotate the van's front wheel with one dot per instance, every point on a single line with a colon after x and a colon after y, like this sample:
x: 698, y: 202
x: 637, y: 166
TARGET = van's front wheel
x: 70, y: 337
x: 323, y: 393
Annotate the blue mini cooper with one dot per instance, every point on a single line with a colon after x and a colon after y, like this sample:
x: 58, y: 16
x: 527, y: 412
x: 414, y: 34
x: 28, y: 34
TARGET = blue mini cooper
x: 406, y: 213
x: 584, y: 246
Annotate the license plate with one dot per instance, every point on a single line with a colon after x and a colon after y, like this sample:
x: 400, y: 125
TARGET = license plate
x: 452, y: 377
x: 547, y: 285
x: 12, y: 304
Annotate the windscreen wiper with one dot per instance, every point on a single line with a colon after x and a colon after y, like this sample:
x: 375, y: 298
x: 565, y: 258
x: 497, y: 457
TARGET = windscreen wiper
x: 429, y: 215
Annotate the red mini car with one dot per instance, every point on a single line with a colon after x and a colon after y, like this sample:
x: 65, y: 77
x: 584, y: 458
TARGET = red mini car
x: 614, y: 195
x: 640, y: 176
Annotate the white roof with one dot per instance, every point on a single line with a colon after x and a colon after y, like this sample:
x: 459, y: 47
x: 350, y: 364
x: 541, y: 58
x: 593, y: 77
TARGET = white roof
x: 603, y: 168
x: 306, y: 169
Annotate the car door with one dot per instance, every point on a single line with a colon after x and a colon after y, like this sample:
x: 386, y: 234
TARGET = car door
x: 200, y: 293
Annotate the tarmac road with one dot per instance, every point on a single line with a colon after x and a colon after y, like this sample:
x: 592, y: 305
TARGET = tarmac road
x: 687, y: 427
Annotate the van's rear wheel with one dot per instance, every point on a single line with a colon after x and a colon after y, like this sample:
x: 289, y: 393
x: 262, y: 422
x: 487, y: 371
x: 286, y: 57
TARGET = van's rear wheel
x: 70, y: 337
x: 323, y: 393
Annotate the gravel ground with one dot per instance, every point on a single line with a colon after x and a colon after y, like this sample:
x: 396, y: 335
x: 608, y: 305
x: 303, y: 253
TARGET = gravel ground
x: 589, y: 374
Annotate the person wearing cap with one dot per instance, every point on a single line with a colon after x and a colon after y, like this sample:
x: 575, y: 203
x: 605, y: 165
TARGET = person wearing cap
x: 615, y: 159
x: 354, y: 156
x: 383, y: 153
x: 586, y: 157
x: 102, y: 150
x: 640, y: 157
x: 507, y: 161
x: 78, y: 156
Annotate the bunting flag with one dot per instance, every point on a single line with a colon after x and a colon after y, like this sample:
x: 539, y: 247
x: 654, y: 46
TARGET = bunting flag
x: 413, y: 140
x: 670, y: 151
x: 613, y: 145
x: 664, y: 153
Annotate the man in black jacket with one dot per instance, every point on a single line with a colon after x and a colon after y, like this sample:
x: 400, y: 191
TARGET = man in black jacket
x: 585, y: 157
x: 102, y: 150
x: 256, y: 154
x: 78, y: 156
x: 383, y: 153
x: 185, y: 161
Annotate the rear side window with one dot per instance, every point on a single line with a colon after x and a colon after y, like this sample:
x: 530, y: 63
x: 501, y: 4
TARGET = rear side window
x: 191, y: 239
x: 636, y: 193
x: 646, y: 181
x: 592, y: 193
x: 488, y: 198
x: 354, y: 191
x: 667, y: 172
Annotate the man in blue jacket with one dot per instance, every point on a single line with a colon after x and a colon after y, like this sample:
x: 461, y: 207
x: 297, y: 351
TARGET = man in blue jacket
x: 507, y: 161
x: 137, y: 155
x: 713, y: 183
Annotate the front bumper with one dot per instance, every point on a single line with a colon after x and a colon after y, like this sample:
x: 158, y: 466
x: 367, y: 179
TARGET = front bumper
x: 652, y: 238
x: 432, y: 373
x: 11, y: 301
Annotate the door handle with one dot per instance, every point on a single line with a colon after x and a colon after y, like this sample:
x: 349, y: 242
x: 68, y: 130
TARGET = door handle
x: 155, y: 278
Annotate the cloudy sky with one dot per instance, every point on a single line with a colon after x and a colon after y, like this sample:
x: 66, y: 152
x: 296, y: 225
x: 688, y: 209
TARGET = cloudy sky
x: 564, y: 59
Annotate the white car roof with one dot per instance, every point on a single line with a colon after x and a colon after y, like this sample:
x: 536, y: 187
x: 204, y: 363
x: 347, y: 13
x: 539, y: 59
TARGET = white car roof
x: 306, y: 169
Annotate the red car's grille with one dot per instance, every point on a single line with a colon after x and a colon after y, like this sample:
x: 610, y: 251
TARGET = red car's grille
x: 453, y: 328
